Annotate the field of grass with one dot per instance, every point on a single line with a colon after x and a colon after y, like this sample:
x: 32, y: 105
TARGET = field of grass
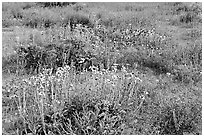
x: 147, y: 78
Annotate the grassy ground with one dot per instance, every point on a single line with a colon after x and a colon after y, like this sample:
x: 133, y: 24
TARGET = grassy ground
x: 137, y: 101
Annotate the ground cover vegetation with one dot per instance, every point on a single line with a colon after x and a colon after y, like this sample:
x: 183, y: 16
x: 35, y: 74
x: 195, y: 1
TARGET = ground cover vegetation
x: 101, y: 68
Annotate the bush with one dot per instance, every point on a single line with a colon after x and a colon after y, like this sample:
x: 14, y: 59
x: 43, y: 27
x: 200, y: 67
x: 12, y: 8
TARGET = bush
x: 178, y: 120
x: 10, y: 22
x: 78, y: 89
x: 77, y: 18
x: 102, y: 103
x: 131, y: 46
x: 17, y: 5
x: 9, y: 64
x: 55, y: 4
x: 189, y: 17
x: 40, y: 18
x: 188, y: 14
x: 13, y: 12
x: 146, y: 59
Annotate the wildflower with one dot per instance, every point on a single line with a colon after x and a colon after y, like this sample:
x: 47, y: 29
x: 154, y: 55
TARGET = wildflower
x: 168, y: 74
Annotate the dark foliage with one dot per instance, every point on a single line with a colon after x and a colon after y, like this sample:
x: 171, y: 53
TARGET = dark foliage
x: 55, y: 4
x: 176, y: 120
x: 77, y: 18
x: 56, y: 55
x: 69, y: 120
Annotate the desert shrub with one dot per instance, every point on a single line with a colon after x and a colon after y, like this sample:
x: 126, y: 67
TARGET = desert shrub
x: 68, y: 52
x: 188, y: 18
x: 188, y: 14
x: 178, y: 119
x: 40, y: 18
x: 55, y: 4
x: 179, y: 7
x: 16, y: 5
x: 11, y: 17
x: 27, y: 5
x: 190, y: 62
x: 31, y: 19
x: 77, y: 113
x: 72, y: 93
x: 190, y: 55
x: 102, y: 103
x: 6, y: 22
x: 31, y: 15
x: 143, y: 58
x: 75, y: 18
x: 9, y: 63
x: 150, y: 47
x: 14, y: 8
x: 13, y: 12
x: 130, y: 7
x: 129, y: 45
x: 194, y: 34
x: 79, y: 6
x: 187, y: 74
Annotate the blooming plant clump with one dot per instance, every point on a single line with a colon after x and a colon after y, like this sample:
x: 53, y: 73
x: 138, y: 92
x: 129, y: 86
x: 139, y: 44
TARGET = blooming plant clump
x: 81, y: 75
x: 51, y: 92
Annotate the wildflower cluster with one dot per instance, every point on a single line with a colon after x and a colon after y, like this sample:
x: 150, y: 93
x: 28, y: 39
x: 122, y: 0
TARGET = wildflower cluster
x: 92, y: 75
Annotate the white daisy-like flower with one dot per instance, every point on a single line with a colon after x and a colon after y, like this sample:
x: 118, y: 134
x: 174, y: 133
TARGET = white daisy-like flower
x: 168, y: 74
